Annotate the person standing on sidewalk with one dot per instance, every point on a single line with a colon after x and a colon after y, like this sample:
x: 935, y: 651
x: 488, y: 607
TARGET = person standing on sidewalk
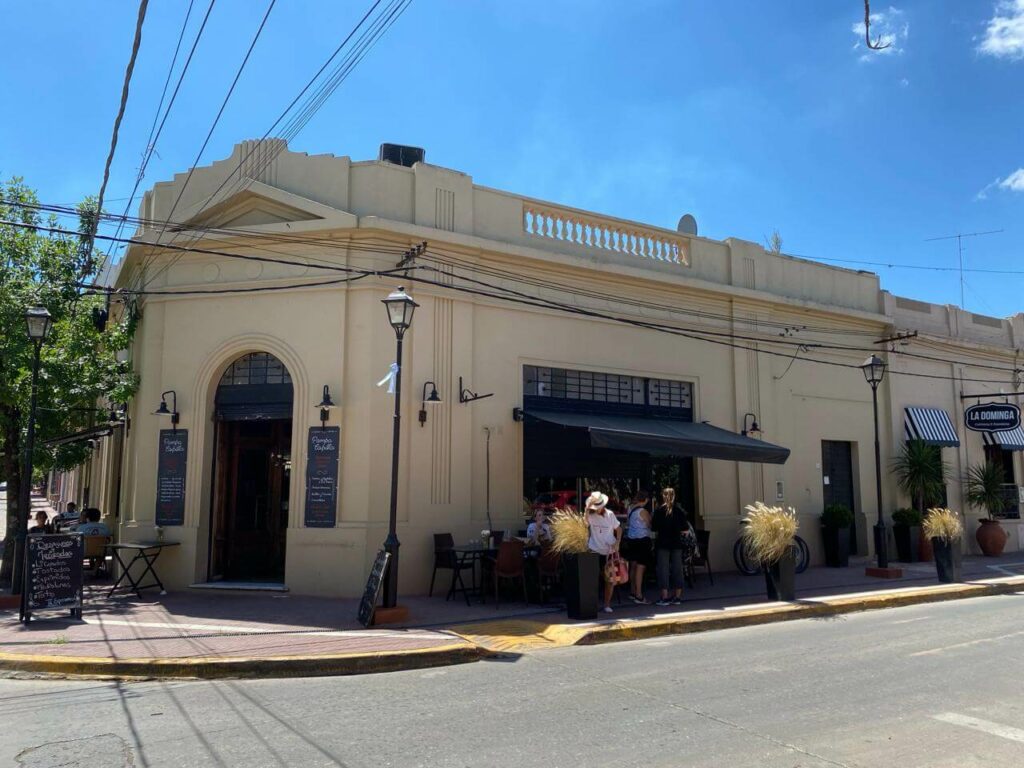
x: 637, y: 546
x: 669, y: 525
x: 605, y: 533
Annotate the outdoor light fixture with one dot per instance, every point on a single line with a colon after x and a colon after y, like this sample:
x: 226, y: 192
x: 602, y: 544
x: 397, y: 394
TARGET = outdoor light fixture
x: 518, y: 414
x: 163, y: 410
x: 467, y: 396
x: 325, y: 406
x: 432, y: 399
x: 754, y: 427
x: 400, y: 308
x: 39, y: 323
x: 874, y: 372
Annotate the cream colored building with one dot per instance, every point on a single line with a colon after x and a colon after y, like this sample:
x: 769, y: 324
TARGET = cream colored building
x: 587, y: 286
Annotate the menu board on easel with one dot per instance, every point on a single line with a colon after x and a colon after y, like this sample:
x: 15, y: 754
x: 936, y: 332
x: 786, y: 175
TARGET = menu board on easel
x: 53, y: 574
x: 170, y: 477
x: 322, y: 477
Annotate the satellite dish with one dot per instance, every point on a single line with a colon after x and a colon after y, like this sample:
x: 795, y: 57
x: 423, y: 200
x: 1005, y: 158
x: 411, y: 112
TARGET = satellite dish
x: 687, y: 225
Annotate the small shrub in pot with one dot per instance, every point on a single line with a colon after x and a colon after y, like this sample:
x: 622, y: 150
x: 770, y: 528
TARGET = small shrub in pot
x: 906, y: 528
x: 836, y: 520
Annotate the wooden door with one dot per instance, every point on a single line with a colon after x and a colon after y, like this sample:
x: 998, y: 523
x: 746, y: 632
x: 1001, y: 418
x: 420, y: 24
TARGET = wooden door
x: 837, y: 479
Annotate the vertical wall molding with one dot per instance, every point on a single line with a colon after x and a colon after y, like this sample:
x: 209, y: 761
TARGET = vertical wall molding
x: 444, y: 209
x: 441, y: 414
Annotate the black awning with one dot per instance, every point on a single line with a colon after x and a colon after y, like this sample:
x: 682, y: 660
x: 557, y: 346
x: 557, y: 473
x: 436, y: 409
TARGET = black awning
x: 665, y: 437
x: 91, y: 433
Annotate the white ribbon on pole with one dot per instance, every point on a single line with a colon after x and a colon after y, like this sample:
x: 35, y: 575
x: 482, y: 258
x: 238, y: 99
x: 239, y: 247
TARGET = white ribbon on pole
x: 390, y: 378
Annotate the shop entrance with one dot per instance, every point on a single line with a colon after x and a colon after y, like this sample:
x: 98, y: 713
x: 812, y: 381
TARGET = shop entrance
x: 252, y: 471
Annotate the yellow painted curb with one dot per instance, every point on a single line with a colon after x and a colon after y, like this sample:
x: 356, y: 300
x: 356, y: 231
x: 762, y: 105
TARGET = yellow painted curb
x: 207, y: 668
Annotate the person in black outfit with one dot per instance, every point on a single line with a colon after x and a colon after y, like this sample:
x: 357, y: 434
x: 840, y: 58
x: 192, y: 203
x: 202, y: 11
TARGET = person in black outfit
x: 670, y: 524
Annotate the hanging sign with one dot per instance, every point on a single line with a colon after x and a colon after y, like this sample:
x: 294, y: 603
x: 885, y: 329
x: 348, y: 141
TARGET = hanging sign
x: 170, y: 477
x: 992, y: 417
x: 322, y: 477
x: 53, y: 574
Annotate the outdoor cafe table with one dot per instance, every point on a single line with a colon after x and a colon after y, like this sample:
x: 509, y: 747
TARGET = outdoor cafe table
x: 142, y: 551
x: 472, y: 554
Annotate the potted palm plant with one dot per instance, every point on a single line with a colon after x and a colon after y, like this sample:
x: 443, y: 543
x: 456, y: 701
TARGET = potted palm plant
x: 836, y: 520
x: 768, y: 539
x: 906, y: 529
x: 944, y: 529
x: 984, y: 486
x: 570, y: 537
x: 922, y: 475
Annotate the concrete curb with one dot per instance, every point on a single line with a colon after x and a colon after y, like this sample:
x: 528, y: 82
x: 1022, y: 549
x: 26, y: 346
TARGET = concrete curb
x: 221, y: 668
x: 802, y: 609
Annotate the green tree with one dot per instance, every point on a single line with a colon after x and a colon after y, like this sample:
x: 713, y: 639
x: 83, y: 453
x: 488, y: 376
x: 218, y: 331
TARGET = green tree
x: 79, y: 369
x: 920, y: 472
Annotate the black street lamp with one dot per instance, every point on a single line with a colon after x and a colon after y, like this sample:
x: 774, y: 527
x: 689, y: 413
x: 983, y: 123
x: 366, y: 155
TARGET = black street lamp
x: 38, y: 323
x: 400, y: 310
x: 874, y: 372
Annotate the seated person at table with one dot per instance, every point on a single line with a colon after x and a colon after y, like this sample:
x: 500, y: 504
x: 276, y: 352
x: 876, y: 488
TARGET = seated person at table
x: 93, y: 526
x: 538, y: 531
x: 42, y: 524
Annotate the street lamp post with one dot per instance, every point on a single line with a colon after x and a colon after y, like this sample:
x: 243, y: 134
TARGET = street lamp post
x: 400, y: 309
x: 38, y: 322
x: 874, y: 372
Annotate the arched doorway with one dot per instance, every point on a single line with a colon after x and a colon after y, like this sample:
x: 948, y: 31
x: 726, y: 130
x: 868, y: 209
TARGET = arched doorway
x: 253, y: 413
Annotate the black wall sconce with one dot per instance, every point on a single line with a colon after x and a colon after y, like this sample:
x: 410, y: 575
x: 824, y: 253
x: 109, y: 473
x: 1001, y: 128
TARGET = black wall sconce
x: 518, y: 414
x: 325, y: 406
x: 173, y: 411
x: 432, y: 399
x: 754, y: 427
x: 467, y: 396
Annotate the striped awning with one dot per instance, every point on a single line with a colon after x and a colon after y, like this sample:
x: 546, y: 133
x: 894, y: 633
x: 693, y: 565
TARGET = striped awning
x: 930, y: 425
x: 1011, y: 440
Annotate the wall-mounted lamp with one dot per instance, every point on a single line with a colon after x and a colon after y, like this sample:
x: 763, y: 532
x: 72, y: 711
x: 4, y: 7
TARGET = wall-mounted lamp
x: 750, y: 424
x: 173, y: 411
x: 432, y: 399
x: 325, y: 406
x: 467, y: 396
x: 518, y: 414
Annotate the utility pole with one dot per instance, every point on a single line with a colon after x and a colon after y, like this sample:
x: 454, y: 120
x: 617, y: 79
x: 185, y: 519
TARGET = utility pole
x: 959, y: 237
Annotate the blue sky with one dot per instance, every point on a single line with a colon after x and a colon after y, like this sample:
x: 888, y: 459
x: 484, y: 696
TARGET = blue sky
x: 753, y: 116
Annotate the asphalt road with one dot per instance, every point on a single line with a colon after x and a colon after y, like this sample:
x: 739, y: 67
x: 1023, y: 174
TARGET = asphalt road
x: 934, y: 685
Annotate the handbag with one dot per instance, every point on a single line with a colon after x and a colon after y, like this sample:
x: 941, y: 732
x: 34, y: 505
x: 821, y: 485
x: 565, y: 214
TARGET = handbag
x: 615, y: 569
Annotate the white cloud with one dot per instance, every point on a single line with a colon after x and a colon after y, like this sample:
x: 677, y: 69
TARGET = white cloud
x: 904, y: 82
x: 889, y: 30
x: 1011, y: 183
x: 1004, y: 32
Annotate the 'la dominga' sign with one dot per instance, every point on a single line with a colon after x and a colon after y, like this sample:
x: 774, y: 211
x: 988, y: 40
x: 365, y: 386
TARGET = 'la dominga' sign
x: 992, y: 417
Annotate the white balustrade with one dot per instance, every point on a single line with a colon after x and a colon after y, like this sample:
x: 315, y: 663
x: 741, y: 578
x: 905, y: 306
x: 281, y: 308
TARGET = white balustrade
x: 567, y: 226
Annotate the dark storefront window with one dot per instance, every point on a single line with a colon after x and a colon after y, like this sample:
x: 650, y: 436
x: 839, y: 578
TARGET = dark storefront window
x: 567, y: 389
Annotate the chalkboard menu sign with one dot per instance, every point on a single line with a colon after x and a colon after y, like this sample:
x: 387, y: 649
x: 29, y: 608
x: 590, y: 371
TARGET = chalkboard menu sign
x: 368, y: 605
x: 53, y: 573
x: 322, y: 477
x: 170, y: 477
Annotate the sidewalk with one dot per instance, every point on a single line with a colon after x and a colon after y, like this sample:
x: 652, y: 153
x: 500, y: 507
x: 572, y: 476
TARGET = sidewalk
x: 204, y: 634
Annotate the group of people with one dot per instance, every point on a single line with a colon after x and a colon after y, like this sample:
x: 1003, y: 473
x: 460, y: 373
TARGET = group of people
x: 663, y: 538
x: 87, y: 522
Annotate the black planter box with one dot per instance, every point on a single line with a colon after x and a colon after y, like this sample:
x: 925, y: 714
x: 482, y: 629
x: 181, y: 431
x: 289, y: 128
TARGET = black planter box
x: 948, y: 560
x: 908, y: 540
x: 837, y: 546
x: 780, y: 578
x: 581, y: 572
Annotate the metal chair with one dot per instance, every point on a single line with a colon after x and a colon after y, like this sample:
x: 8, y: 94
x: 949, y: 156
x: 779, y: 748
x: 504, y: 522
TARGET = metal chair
x: 549, y: 571
x: 701, y: 558
x: 508, y: 565
x: 445, y: 558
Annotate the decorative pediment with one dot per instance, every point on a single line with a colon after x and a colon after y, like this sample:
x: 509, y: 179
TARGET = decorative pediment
x: 263, y: 207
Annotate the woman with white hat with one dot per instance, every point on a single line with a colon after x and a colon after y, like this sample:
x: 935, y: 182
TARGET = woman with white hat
x: 604, y: 537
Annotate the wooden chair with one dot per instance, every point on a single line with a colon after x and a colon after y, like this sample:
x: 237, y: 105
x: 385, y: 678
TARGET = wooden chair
x: 701, y: 557
x: 96, y: 552
x: 447, y: 559
x: 508, y: 565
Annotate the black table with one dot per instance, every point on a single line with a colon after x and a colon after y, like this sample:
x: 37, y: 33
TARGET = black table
x: 144, y: 551
x: 471, y: 554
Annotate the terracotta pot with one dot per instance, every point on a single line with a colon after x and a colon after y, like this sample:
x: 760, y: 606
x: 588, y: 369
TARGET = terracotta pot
x: 924, y: 549
x: 991, y: 538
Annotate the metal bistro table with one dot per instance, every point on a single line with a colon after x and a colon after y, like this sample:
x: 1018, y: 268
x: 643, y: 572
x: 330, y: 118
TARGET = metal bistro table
x: 473, y: 554
x: 144, y: 551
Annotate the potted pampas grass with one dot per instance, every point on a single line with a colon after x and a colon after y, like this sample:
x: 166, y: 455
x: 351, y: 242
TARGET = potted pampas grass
x: 768, y: 539
x: 944, y: 529
x: 570, y: 537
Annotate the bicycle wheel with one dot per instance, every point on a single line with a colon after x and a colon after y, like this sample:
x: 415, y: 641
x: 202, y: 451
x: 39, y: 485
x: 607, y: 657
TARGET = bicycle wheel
x: 803, y: 554
x: 743, y: 564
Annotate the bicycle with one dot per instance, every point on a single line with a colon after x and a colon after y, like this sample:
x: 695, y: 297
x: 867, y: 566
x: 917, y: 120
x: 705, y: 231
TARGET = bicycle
x: 748, y: 567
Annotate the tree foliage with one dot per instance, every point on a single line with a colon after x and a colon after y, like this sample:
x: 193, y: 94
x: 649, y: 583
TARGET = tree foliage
x: 80, y: 374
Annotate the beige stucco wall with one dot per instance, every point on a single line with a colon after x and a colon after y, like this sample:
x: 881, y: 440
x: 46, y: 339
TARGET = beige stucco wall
x: 339, y: 336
